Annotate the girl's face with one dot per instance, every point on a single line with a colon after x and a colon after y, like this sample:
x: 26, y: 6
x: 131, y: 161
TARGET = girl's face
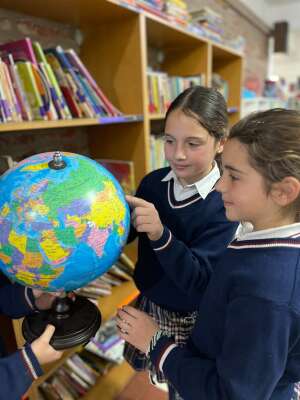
x: 189, y: 148
x: 244, y: 191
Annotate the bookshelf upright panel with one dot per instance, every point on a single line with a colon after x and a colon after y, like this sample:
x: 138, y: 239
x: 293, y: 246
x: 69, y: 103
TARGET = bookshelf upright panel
x: 229, y: 64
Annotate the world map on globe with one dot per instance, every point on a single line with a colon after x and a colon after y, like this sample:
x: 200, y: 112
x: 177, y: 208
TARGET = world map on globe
x: 60, y: 228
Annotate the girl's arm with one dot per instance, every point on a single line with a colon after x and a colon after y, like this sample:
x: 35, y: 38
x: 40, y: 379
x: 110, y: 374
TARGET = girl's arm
x: 189, y: 267
x: 251, y: 361
x: 20, y: 369
x: 15, y: 300
x: 249, y: 364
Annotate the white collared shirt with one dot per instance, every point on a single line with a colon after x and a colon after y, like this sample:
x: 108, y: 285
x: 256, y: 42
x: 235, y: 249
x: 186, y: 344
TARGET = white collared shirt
x: 246, y: 232
x: 203, y: 186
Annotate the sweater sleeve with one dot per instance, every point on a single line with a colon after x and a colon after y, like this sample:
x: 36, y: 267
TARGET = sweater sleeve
x: 17, y: 372
x: 190, y: 267
x: 16, y: 300
x: 255, y: 345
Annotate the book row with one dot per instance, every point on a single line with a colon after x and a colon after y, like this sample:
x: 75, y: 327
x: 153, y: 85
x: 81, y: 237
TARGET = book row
x: 47, y: 84
x: 80, y: 372
x: 163, y: 89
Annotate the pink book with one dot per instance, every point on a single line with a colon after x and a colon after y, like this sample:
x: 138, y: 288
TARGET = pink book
x: 20, y: 49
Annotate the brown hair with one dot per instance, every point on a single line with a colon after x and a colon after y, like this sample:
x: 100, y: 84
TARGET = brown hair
x: 205, y: 105
x: 272, y: 139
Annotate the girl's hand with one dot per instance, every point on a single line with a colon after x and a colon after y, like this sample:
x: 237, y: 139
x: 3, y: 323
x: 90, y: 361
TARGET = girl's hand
x: 136, y: 327
x: 44, y: 300
x: 145, y: 217
x: 41, y: 348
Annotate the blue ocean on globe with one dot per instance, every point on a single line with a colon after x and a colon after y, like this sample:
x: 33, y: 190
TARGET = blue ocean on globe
x: 60, y: 228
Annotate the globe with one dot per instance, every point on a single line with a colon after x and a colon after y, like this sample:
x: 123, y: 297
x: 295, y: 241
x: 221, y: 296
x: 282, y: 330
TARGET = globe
x: 63, y: 221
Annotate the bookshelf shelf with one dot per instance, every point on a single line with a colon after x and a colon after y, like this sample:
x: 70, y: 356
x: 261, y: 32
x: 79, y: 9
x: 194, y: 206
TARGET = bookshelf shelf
x: 32, y: 125
x: 110, y: 385
x: 156, y: 116
x: 116, y: 48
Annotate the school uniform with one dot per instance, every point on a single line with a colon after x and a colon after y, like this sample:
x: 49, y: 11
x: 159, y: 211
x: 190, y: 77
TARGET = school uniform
x: 20, y: 369
x: 172, y: 272
x: 246, y: 341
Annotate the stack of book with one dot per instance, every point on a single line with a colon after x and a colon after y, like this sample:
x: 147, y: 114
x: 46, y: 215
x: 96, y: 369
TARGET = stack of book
x: 80, y: 372
x: 210, y: 23
x: 47, y: 84
x: 177, y: 11
x: 120, y: 272
x: 163, y: 89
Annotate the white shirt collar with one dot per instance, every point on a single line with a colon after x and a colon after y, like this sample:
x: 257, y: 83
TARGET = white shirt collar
x: 203, y: 186
x: 246, y: 232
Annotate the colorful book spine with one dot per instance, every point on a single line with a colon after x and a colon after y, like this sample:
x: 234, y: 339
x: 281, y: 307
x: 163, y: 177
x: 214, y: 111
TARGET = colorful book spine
x: 75, y: 60
x: 19, y: 90
x: 64, y: 85
x: 22, y: 50
x: 31, y: 90
x: 56, y: 94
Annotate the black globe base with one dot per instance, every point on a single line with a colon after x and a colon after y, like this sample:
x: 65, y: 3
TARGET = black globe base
x: 76, y: 322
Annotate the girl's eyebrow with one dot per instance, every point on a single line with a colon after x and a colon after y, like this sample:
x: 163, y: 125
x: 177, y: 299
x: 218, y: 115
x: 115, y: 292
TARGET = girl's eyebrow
x: 233, y: 169
x: 187, y: 138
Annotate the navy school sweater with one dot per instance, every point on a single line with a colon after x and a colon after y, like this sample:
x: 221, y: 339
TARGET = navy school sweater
x: 246, y: 341
x: 18, y: 370
x: 173, y: 272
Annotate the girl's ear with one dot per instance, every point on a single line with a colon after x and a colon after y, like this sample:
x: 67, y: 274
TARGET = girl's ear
x: 286, y: 191
x: 220, y: 145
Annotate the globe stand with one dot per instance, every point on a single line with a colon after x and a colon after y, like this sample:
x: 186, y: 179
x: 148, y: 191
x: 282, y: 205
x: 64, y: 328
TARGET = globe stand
x: 76, y: 322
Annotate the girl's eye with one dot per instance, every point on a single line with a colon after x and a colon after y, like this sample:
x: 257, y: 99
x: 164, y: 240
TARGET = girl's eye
x: 192, y: 144
x: 168, y: 140
x: 234, y: 178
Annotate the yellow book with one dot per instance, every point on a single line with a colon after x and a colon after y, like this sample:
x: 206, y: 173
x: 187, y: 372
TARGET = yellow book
x: 31, y: 90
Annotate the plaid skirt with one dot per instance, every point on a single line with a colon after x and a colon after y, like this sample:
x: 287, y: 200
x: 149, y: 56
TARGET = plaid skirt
x: 179, y: 325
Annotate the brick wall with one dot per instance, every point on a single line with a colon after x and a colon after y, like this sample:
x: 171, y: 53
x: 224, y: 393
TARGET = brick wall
x: 238, y: 21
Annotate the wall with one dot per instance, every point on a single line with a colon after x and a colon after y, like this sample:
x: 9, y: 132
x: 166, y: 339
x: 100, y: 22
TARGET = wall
x: 288, y: 65
x: 238, y: 20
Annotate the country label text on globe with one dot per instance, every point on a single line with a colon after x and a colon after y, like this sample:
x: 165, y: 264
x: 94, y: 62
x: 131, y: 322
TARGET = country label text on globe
x: 60, y: 229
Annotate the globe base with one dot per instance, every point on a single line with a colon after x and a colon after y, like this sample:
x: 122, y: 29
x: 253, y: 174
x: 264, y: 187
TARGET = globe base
x: 76, y: 322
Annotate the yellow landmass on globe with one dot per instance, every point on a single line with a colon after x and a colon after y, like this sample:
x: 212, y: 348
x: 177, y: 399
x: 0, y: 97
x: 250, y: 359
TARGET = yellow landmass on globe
x: 33, y: 260
x: 31, y: 279
x: 77, y: 224
x: 107, y: 208
x: 36, y: 167
x: 53, y: 250
x: 37, y: 206
x: 5, y: 210
x: 18, y: 241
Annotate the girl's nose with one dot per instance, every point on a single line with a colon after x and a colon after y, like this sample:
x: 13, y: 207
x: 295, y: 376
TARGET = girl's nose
x: 220, y: 185
x: 180, y: 153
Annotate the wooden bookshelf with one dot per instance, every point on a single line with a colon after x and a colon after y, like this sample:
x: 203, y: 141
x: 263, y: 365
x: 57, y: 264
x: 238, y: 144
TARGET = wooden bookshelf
x: 115, y: 49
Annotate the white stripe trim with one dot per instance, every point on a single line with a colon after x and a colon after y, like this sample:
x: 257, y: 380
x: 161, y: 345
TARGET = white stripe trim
x: 166, y: 244
x: 256, y: 246
x: 27, y: 298
x: 165, y: 355
x: 182, y: 205
x: 29, y: 363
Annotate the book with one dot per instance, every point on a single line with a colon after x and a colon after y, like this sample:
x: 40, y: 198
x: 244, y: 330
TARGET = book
x: 76, y: 62
x: 122, y: 170
x: 21, y: 50
x: 126, y: 260
x: 18, y: 88
x: 31, y: 90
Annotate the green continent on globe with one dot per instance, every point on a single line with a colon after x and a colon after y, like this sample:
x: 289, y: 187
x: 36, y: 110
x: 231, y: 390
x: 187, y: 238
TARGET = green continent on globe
x: 62, y: 228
